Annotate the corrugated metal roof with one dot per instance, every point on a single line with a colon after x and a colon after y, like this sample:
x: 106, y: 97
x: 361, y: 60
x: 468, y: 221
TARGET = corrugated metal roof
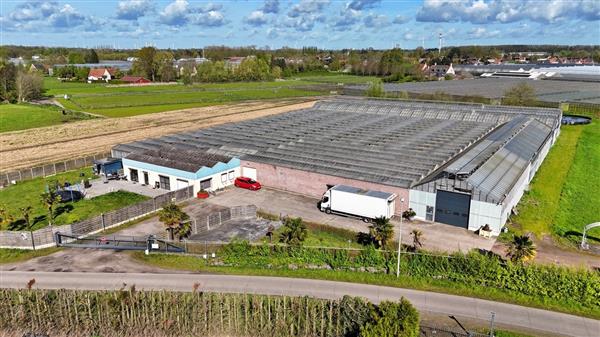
x: 185, y: 160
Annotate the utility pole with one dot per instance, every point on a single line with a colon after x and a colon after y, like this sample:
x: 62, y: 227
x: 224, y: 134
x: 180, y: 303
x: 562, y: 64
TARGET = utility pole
x: 440, y: 45
x: 399, y: 239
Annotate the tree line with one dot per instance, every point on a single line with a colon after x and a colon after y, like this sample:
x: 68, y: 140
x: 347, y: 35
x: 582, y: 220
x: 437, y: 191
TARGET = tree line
x: 17, y: 84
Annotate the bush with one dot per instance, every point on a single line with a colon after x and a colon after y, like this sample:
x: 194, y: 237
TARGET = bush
x: 391, y: 319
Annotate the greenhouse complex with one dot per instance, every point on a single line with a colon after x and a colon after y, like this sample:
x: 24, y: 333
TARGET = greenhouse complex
x: 464, y: 165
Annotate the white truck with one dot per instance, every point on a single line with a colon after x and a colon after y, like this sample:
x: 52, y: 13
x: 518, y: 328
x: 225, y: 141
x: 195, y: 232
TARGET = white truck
x: 357, y: 202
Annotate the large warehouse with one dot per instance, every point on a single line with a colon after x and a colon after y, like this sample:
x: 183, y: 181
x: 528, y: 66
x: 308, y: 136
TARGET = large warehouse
x: 465, y: 165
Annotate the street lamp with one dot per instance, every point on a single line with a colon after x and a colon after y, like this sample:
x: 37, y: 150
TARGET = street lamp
x: 399, y: 239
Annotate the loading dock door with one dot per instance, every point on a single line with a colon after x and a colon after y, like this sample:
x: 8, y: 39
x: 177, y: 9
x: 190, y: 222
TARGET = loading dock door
x: 249, y: 172
x: 452, y: 208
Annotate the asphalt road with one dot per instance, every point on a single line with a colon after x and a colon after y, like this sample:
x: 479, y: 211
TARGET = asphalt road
x: 514, y: 315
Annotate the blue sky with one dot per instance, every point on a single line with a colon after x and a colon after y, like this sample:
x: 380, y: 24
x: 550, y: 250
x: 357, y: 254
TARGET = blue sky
x: 277, y: 23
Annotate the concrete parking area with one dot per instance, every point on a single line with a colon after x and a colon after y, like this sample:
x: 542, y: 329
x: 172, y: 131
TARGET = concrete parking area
x: 436, y: 236
x: 100, y: 187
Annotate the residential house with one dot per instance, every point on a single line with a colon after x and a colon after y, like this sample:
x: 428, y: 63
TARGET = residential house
x: 101, y: 74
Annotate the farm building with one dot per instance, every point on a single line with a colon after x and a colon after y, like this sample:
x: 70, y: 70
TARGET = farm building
x: 135, y: 80
x: 462, y: 164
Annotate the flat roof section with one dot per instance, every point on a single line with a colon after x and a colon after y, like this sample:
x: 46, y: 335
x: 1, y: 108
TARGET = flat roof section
x: 180, y: 159
x: 356, y: 190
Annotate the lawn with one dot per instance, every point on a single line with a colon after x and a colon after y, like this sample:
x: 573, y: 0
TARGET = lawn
x: 564, y: 192
x: 27, y: 193
x: 539, y: 205
x: 14, y: 117
x: 579, y: 203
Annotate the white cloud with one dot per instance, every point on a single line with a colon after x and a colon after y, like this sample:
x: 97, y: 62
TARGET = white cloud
x: 256, y: 18
x: 134, y: 9
x: 400, y: 19
x: 503, y: 11
x: 271, y: 6
x: 376, y: 21
x: 209, y: 19
x: 308, y: 7
x: 483, y: 33
x: 175, y: 13
x: 359, y: 5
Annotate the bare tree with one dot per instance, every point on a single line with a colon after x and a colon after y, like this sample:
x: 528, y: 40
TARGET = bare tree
x: 29, y: 86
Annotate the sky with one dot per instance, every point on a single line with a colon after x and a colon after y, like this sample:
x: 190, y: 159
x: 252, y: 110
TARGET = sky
x: 326, y: 24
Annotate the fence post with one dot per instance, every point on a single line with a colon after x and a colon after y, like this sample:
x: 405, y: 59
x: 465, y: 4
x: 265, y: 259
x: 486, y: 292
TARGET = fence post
x: 154, y: 203
x: 102, y: 219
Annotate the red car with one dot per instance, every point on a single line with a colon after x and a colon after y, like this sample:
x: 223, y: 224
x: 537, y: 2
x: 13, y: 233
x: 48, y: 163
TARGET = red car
x: 247, y: 183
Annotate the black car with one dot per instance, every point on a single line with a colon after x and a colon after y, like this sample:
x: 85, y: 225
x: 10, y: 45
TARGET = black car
x: 69, y: 195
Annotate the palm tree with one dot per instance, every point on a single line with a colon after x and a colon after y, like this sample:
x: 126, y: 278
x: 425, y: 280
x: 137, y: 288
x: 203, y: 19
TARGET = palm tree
x: 50, y: 199
x: 381, y: 231
x: 521, y: 249
x: 294, y: 232
x: 5, y: 217
x: 25, y: 213
x: 417, y: 236
x: 172, y: 217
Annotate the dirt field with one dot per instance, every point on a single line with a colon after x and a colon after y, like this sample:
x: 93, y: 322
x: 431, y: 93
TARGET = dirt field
x: 32, y: 147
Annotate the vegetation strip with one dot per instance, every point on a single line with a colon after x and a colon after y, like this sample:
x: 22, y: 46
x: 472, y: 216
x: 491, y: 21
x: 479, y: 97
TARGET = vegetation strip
x: 129, y: 312
x: 476, y: 275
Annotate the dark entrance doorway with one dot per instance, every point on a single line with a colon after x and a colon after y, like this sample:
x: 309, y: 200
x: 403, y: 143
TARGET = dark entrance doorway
x: 133, y: 175
x: 452, y: 208
x: 146, y: 179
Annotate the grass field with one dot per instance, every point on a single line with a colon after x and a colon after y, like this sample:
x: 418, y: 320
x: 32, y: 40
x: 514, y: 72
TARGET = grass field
x: 14, y: 117
x: 564, y: 192
x: 131, y: 100
x: 27, y: 193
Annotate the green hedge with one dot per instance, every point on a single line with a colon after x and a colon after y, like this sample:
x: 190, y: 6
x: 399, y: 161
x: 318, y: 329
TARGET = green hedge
x: 541, y: 281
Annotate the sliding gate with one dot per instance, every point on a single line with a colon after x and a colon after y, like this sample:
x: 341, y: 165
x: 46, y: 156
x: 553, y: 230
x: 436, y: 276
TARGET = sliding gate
x: 117, y: 242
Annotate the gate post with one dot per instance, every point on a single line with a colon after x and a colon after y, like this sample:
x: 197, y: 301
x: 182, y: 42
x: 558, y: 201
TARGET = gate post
x: 57, y: 239
x: 102, y: 219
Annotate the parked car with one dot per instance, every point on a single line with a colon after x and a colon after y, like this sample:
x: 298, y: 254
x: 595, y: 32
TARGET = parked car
x: 69, y: 195
x: 247, y: 183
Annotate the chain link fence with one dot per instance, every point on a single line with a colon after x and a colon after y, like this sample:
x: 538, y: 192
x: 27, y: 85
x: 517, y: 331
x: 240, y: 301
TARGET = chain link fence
x: 214, y: 220
x: 45, y: 237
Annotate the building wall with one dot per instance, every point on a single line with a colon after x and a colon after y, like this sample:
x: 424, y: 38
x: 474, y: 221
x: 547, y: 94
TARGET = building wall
x: 315, y: 184
x: 482, y: 213
x: 419, y: 200
x: 193, y: 179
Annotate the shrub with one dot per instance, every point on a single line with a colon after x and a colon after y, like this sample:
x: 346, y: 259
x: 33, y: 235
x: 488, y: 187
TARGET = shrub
x: 391, y: 319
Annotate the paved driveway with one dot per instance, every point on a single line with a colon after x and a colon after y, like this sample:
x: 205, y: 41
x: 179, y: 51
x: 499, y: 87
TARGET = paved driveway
x: 99, y: 188
x: 436, y: 236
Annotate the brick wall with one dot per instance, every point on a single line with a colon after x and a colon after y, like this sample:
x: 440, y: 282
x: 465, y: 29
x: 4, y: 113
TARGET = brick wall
x: 314, y: 184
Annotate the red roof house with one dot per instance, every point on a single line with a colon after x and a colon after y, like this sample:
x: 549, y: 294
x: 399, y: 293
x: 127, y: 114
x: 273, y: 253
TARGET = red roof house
x: 101, y: 74
x: 134, y: 79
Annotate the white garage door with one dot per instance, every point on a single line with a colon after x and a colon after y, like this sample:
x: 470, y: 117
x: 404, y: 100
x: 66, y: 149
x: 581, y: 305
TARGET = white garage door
x: 182, y: 184
x: 249, y: 172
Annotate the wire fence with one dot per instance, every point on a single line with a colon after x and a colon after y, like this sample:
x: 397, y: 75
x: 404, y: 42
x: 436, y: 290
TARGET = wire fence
x: 7, y: 178
x: 44, y: 237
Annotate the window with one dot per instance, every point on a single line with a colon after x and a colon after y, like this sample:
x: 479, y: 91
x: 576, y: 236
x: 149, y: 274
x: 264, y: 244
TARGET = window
x: 325, y: 199
x: 224, y: 177
x: 231, y: 175
x: 165, y: 182
x: 206, y: 184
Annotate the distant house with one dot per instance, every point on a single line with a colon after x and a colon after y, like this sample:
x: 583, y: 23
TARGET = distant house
x: 234, y: 62
x: 135, y: 80
x: 37, y: 67
x: 101, y: 74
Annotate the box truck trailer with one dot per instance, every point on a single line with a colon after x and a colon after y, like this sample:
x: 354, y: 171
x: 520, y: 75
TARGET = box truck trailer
x: 357, y: 202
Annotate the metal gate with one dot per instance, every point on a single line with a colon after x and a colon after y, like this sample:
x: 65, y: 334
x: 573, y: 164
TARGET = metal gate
x: 452, y: 208
x: 117, y: 242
